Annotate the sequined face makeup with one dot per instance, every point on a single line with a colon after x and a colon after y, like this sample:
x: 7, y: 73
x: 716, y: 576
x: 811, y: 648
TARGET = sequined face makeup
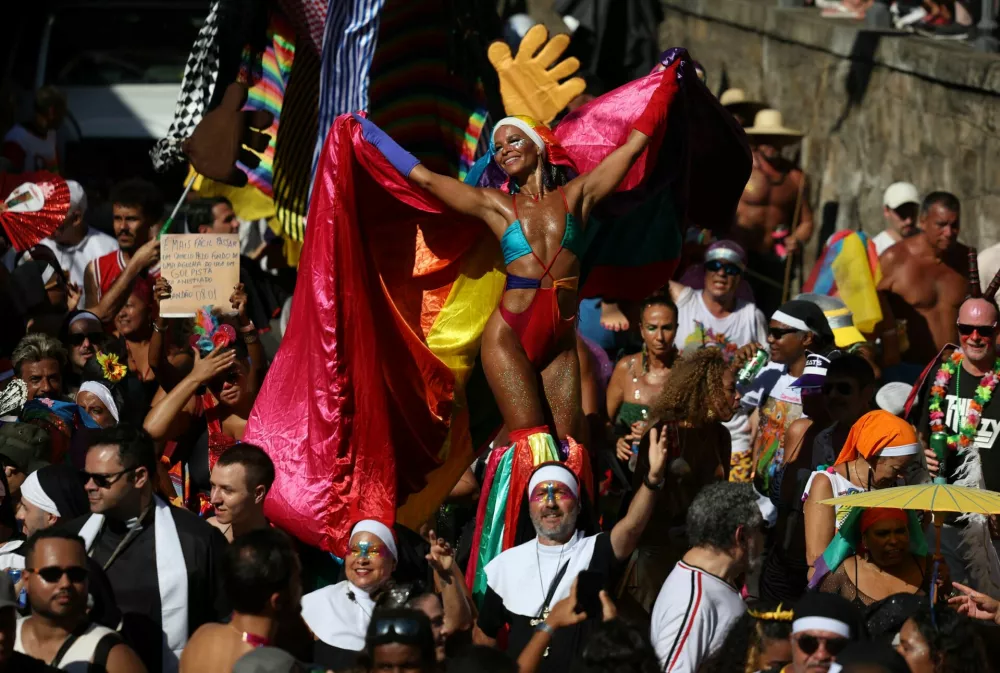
x: 554, y: 491
x: 365, y: 549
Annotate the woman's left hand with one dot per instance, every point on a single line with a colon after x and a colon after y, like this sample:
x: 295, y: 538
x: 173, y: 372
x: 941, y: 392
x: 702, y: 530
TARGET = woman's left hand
x: 441, y: 556
x: 239, y: 301
x: 657, y: 454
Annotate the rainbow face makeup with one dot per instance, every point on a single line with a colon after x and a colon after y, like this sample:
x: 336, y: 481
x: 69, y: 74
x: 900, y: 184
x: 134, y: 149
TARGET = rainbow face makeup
x: 551, y: 490
x: 365, y: 549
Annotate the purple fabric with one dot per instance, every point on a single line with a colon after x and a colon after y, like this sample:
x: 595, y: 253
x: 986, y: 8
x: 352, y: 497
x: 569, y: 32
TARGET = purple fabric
x: 401, y: 160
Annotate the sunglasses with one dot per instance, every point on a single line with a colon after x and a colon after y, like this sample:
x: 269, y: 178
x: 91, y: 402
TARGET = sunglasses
x: 717, y: 265
x: 840, y: 388
x: 779, y: 332
x: 809, y: 644
x: 78, y: 338
x: 398, y: 626
x: 104, y: 480
x: 985, y: 331
x: 52, y: 574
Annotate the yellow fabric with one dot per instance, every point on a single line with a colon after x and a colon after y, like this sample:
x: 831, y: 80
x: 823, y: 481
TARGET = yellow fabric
x: 543, y: 448
x: 528, y: 85
x: 249, y: 203
x: 455, y: 338
x: 873, y: 433
x: 856, y: 283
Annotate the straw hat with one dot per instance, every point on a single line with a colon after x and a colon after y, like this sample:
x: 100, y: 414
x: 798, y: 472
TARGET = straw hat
x: 769, y: 123
x: 733, y: 97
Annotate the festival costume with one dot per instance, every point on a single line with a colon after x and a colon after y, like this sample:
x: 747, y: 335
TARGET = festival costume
x: 539, y: 327
x: 376, y: 404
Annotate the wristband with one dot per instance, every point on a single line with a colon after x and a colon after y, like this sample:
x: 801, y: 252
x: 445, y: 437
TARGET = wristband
x: 545, y: 627
x: 157, y: 328
x: 653, y: 487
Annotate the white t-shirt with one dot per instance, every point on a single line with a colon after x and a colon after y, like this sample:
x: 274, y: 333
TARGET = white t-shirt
x: 691, y: 618
x: 74, y: 258
x: 698, y: 328
x: 39, y: 153
x: 779, y: 404
x: 883, y: 242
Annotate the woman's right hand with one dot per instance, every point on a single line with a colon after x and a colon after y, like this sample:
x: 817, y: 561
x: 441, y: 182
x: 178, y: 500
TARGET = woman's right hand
x: 208, y: 367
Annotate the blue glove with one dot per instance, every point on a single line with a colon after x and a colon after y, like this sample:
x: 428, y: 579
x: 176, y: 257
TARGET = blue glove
x: 401, y: 160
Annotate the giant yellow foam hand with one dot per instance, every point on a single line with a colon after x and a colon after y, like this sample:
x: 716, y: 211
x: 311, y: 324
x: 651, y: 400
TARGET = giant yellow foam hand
x: 528, y: 85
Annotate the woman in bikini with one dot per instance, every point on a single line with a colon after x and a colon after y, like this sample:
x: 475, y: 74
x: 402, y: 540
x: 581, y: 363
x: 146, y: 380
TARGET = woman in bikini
x: 529, y: 345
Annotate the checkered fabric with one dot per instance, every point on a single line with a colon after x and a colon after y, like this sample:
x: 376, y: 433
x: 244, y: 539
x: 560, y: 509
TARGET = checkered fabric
x: 200, y: 74
x: 309, y: 19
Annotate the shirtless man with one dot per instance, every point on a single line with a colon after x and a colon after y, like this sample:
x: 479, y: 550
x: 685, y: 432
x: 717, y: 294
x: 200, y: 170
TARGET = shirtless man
x: 765, y: 216
x: 262, y: 576
x: 924, y: 281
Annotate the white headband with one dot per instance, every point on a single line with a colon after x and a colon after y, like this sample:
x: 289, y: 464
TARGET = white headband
x: 554, y: 473
x: 83, y: 315
x: 792, y: 321
x: 101, y: 393
x: 821, y: 624
x: 904, y: 450
x: 528, y: 131
x: 379, y: 530
x: 31, y: 490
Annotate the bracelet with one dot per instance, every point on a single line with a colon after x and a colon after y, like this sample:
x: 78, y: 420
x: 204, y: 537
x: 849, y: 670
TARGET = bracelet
x: 250, y: 338
x: 651, y: 486
x: 249, y: 327
x: 157, y: 328
x: 545, y: 627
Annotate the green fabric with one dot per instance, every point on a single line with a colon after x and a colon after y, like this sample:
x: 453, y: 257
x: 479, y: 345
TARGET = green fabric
x: 630, y: 412
x: 491, y: 539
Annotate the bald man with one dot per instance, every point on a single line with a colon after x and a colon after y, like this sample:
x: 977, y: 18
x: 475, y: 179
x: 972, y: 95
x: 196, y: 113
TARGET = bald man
x: 977, y: 466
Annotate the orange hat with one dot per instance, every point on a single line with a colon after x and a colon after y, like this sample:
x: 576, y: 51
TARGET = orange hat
x: 873, y: 515
x: 879, y: 433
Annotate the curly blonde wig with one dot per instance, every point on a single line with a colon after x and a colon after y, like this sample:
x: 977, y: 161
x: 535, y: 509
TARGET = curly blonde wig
x: 694, y: 388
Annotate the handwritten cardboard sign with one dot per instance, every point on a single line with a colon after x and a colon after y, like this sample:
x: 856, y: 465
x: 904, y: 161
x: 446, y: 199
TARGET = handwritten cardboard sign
x: 202, y: 270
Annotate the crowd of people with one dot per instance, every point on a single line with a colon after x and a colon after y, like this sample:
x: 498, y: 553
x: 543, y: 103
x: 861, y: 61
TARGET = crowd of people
x: 656, y: 499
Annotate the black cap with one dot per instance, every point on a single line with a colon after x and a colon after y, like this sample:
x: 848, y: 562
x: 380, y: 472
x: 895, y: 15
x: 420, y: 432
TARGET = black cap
x: 826, y: 612
x: 802, y: 311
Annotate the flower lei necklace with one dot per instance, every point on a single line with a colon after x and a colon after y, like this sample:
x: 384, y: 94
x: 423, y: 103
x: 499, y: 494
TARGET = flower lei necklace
x: 984, y: 391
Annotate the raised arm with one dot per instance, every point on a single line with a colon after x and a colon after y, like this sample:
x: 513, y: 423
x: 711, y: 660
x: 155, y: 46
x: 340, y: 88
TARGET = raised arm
x: 605, y: 178
x: 111, y: 302
x: 626, y: 533
x: 454, y: 193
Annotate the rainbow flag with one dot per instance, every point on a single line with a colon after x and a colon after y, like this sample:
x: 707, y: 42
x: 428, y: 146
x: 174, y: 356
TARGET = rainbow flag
x: 269, y: 92
x: 848, y: 268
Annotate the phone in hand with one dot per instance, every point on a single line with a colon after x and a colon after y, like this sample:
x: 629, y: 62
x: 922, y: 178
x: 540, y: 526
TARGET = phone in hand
x: 588, y: 589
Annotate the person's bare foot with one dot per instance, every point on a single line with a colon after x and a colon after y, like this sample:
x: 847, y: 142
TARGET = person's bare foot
x: 612, y: 317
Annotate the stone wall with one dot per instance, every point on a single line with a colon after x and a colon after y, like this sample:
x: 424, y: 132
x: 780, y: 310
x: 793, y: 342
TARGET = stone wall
x: 875, y: 107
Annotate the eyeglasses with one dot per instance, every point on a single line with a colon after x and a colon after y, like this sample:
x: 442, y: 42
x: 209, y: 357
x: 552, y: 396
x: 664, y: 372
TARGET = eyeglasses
x: 985, y: 331
x: 840, y: 388
x: 779, y: 332
x: 78, y: 338
x: 52, y: 574
x: 809, y: 644
x: 718, y: 265
x: 105, y: 480
x: 399, y: 626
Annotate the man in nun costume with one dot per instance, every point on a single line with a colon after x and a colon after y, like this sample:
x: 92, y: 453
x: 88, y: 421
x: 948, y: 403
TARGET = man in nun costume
x: 526, y: 581
x: 163, y: 562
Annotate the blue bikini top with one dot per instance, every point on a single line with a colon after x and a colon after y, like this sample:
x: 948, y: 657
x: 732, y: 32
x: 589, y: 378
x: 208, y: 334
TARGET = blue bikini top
x: 514, y: 243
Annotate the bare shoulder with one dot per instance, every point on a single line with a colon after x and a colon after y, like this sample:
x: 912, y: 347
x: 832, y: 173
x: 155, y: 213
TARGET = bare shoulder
x: 895, y: 254
x: 819, y: 490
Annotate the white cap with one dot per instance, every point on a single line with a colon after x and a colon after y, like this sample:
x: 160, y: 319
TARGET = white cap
x: 900, y: 193
x: 77, y: 197
x: 892, y: 397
